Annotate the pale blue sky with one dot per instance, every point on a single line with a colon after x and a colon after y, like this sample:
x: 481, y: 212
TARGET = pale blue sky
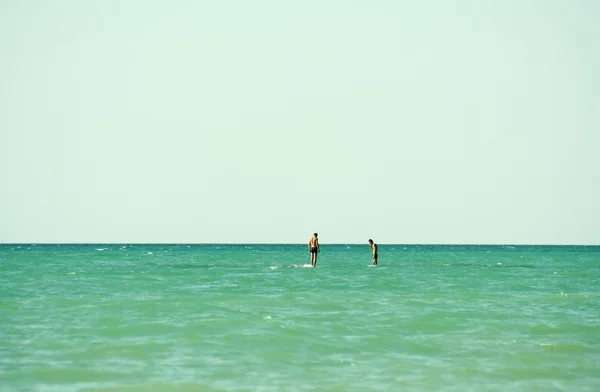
x: 264, y: 121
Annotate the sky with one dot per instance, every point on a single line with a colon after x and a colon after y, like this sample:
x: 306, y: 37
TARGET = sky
x: 409, y: 122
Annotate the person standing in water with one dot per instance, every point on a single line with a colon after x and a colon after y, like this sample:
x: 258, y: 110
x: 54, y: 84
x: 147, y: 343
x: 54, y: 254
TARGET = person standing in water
x: 313, y: 248
x: 374, y: 249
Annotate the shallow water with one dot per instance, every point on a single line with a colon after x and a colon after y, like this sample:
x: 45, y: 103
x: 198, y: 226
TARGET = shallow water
x: 253, y: 318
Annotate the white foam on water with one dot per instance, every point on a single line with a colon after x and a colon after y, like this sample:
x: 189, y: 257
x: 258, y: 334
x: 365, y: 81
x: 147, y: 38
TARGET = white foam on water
x: 267, y: 317
x: 273, y: 267
x: 101, y: 249
x: 149, y: 253
x: 71, y: 273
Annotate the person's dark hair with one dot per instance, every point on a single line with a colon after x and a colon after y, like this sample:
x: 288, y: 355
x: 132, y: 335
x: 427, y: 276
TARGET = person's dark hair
x: 370, y: 240
x: 316, y: 235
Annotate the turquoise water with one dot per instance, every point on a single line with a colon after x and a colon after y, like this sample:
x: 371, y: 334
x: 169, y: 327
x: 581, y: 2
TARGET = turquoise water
x: 253, y: 318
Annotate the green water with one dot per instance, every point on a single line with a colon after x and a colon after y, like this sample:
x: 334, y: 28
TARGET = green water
x: 253, y: 318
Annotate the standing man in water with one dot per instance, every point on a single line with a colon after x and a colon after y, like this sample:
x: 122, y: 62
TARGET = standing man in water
x: 313, y: 248
x: 374, y: 249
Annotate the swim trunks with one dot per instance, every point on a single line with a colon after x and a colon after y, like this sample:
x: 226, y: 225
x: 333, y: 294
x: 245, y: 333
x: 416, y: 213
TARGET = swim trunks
x: 314, y: 249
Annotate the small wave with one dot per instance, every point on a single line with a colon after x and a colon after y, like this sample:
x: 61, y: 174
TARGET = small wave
x: 101, y: 249
x: 149, y: 253
x: 301, y: 266
x: 71, y: 273
x: 273, y: 267
x: 568, y: 347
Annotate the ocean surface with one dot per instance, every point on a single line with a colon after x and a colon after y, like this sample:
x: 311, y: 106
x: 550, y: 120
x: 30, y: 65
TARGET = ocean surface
x: 138, y: 317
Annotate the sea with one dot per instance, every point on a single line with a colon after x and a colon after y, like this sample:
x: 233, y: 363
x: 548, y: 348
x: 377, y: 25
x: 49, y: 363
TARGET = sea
x: 257, y: 317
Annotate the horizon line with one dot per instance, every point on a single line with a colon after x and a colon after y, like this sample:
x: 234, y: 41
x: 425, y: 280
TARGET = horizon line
x: 284, y: 243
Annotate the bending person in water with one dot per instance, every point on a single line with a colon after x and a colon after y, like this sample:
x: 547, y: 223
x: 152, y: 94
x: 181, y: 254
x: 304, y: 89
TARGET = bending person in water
x: 374, y: 249
x: 313, y: 248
